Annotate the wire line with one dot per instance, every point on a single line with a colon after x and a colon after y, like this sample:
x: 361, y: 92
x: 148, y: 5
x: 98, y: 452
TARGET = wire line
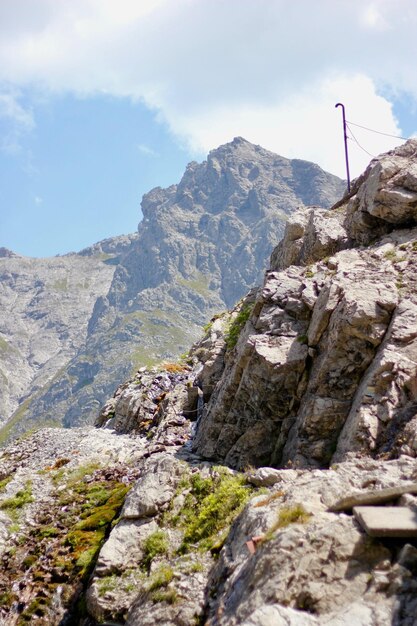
x: 357, y: 142
x: 377, y: 131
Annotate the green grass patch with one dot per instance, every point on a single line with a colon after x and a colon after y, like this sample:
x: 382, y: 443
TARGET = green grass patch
x: 18, y: 501
x: 154, y: 545
x: 6, y: 599
x: 210, y: 506
x: 85, y: 546
x: 107, y: 583
x: 98, y: 515
x: 37, y: 609
x: 169, y: 596
x: 5, y: 482
x: 288, y: 515
x: 48, y: 531
x: 235, y: 327
x: 161, y: 577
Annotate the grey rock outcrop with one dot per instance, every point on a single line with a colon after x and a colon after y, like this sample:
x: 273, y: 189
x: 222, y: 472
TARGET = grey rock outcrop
x: 326, y: 364
x: 310, y: 570
x: 308, y: 565
x: 200, y: 246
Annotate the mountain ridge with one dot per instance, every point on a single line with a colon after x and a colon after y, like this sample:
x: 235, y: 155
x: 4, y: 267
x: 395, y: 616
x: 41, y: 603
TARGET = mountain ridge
x: 201, y: 243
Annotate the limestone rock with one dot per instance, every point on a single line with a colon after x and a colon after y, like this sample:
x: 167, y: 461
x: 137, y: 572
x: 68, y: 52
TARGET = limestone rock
x: 326, y: 364
x: 310, y: 235
x: 264, y: 477
x: 309, y: 571
x: 124, y: 548
x: 387, y: 521
x: 155, y: 489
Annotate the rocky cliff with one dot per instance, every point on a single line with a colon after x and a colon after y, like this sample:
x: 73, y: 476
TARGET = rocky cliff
x: 201, y: 245
x: 269, y: 479
x: 330, y: 348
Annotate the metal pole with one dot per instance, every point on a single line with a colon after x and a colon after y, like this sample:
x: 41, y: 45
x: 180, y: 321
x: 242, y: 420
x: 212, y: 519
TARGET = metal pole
x: 339, y: 104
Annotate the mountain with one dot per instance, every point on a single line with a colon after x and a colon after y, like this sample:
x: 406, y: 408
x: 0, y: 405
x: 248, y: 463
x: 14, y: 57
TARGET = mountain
x: 45, y: 305
x: 200, y: 246
x: 270, y: 478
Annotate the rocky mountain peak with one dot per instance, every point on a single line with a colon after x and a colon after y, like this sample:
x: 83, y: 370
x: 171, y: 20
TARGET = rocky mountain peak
x: 200, y: 246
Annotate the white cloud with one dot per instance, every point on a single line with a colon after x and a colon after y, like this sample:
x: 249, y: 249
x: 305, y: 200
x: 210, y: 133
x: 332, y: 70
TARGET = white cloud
x: 373, y: 18
x: 269, y: 70
x: 38, y: 200
x: 146, y: 150
x: 306, y: 125
x: 12, y: 109
x: 15, y: 120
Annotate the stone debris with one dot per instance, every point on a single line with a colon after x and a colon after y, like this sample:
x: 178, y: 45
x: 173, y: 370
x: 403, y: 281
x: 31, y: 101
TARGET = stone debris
x: 387, y: 521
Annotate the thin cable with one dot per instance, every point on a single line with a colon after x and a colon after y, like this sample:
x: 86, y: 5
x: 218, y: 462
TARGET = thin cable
x: 357, y: 142
x: 378, y: 131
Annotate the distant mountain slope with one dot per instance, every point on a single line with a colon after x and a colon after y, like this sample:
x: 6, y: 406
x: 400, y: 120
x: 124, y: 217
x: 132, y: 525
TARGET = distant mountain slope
x: 201, y: 245
x: 45, y: 305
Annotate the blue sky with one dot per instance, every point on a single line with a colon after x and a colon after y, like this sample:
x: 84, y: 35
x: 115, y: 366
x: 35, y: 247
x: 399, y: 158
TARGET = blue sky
x: 101, y: 100
x: 79, y: 174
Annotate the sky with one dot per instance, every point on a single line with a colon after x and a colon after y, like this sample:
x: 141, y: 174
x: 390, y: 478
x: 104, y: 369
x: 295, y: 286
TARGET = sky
x: 102, y: 100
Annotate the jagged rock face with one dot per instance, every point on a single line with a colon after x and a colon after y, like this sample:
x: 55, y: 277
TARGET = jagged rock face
x: 326, y: 365
x: 201, y: 245
x: 224, y: 216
